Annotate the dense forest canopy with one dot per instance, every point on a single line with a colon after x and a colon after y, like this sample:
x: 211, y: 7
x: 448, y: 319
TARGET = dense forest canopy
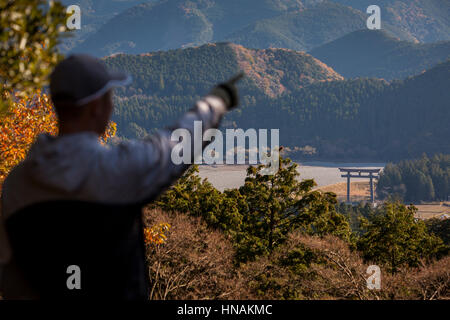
x: 425, y: 179
x: 307, y: 100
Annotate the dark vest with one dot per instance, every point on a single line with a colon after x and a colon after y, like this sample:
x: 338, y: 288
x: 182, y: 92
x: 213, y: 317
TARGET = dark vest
x: 104, y: 241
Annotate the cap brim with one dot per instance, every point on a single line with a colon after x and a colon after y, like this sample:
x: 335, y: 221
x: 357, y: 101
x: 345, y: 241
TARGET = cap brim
x: 122, y: 78
x: 116, y: 79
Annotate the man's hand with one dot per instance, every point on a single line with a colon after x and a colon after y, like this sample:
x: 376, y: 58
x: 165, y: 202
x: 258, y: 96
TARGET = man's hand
x: 228, y: 91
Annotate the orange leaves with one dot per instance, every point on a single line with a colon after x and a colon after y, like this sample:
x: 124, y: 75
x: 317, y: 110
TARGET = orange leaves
x: 156, y: 234
x: 28, y: 117
x: 110, y: 132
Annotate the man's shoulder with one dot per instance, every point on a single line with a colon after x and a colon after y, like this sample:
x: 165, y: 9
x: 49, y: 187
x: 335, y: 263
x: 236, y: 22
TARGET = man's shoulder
x: 131, y: 154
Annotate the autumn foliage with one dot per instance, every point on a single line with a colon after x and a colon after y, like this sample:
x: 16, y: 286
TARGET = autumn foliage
x: 194, y: 261
x: 28, y: 117
x: 156, y: 234
x: 197, y: 262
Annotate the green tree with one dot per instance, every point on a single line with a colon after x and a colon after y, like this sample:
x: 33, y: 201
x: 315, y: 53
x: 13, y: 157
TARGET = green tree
x: 439, y: 227
x: 29, y: 34
x: 422, y: 179
x: 354, y: 213
x: 394, y: 238
x: 279, y: 204
x: 259, y: 215
x: 198, y: 197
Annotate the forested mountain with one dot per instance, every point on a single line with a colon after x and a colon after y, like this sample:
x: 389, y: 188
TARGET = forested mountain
x: 370, y: 118
x: 170, y: 81
x: 345, y: 118
x: 424, y: 20
x: 307, y: 29
x: 308, y: 101
x: 170, y: 24
x: 190, y: 71
x: 374, y: 53
x: 94, y: 13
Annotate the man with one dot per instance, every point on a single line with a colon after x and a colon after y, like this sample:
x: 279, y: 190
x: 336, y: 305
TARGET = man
x: 72, y: 208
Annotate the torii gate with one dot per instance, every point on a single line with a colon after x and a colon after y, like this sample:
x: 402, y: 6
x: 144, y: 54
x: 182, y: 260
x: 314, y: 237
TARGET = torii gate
x: 372, y: 174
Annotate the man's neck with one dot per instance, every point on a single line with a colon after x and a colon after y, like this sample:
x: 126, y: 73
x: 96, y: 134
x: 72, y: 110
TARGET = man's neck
x: 65, y: 130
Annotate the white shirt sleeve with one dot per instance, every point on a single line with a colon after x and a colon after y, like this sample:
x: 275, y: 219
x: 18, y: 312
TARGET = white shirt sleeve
x: 142, y: 169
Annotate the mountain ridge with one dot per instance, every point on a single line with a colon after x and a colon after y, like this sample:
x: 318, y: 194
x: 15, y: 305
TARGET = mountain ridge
x: 426, y: 21
x: 260, y: 67
x: 273, y: 71
x: 307, y: 29
x: 341, y: 119
x: 374, y: 53
x: 171, y: 24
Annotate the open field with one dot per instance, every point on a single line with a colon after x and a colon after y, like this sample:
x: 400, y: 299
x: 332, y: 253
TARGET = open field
x: 324, y: 173
x: 427, y: 211
x: 359, y: 190
x: 327, y: 177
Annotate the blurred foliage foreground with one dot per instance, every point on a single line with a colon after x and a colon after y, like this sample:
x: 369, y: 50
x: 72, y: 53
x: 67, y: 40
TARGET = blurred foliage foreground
x: 26, y: 118
x: 29, y: 34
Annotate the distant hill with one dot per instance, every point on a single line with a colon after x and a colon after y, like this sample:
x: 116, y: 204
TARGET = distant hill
x: 370, y: 118
x: 374, y: 53
x: 172, y: 24
x: 138, y: 26
x: 190, y: 71
x: 417, y: 111
x: 307, y: 100
x: 306, y: 29
x: 94, y: 13
x: 424, y: 20
x: 167, y: 83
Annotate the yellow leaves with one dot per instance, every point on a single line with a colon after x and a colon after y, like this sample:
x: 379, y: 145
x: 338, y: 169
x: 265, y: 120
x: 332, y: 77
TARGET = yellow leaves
x: 28, y: 117
x: 29, y: 37
x: 156, y: 234
x: 110, y: 132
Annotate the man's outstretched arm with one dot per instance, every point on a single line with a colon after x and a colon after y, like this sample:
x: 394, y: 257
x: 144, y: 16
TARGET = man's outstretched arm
x: 147, y: 164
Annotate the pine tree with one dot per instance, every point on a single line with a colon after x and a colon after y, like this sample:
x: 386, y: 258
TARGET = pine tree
x: 279, y: 204
x: 394, y: 238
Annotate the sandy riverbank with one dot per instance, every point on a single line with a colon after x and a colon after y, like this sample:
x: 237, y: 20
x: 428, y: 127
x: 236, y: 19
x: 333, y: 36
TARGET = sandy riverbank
x: 324, y: 173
